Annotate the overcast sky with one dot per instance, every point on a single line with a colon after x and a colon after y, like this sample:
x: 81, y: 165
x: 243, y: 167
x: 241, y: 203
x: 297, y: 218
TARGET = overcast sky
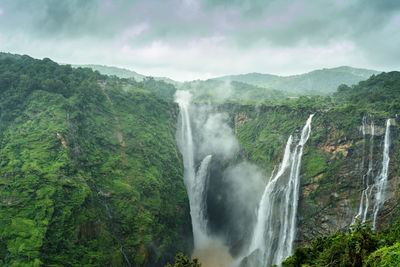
x: 191, y: 39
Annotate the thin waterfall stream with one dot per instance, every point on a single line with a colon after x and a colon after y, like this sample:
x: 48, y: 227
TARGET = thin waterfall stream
x: 373, y: 184
x: 367, y: 177
x: 381, y: 179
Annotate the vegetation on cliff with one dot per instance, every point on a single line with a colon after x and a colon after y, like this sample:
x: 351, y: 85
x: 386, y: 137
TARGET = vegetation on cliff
x: 90, y: 173
x: 360, y: 246
x: 334, y: 161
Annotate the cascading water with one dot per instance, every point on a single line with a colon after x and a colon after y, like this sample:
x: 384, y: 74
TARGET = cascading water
x: 275, y: 228
x: 199, y: 207
x: 264, y: 230
x: 377, y: 184
x: 195, y: 183
x: 366, y: 178
x: 381, y: 179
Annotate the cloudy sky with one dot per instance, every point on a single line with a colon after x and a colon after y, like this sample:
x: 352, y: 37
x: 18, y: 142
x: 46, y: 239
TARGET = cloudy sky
x: 190, y: 39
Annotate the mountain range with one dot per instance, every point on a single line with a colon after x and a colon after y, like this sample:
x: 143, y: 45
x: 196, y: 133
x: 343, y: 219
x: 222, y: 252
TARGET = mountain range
x: 317, y: 82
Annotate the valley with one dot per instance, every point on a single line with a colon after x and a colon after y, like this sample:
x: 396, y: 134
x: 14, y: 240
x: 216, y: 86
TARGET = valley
x: 101, y: 170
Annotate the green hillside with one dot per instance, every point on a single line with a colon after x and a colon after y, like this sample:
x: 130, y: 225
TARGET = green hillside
x: 90, y: 173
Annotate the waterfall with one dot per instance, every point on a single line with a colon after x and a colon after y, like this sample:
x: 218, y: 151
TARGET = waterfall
x: 377, y: 184
x: 366, y: 178
x: 195, y: 183
x: 198, y: 208
x: 275, y: 228
x: 185, y: 141
x: 381, y: 179
x: 263, y: 230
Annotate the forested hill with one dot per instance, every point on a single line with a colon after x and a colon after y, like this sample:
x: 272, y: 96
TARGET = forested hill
x: 108, y: 70
x: 90, y: 174
x: 317, y: 82
x: 124, y: 73
x: 255, y: 87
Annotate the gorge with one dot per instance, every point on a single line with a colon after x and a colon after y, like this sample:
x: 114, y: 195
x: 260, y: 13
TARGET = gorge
x: 99, y: 170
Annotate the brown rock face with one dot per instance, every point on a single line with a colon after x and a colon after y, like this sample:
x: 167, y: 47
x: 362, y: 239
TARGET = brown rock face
x: 331, y: 199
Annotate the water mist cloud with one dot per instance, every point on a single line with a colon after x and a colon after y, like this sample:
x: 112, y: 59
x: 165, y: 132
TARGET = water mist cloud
x: 245, y: 182
x: 217, y: 137
x: 222, y: 92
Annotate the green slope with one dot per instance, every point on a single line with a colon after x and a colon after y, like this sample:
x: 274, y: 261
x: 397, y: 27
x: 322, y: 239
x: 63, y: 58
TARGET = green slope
x: 89, y: 169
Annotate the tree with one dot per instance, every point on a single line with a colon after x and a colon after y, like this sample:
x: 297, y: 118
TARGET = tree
x: 184, y: 261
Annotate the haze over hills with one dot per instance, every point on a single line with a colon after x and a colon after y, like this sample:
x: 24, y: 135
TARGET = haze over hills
x: 323, y: 81
x: 317, y: 82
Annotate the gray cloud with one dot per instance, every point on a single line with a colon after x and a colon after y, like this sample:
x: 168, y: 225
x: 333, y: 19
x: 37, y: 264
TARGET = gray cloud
x: 200, y: 38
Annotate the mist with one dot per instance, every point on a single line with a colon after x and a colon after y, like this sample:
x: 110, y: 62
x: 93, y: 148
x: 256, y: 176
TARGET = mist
x: 233, y: 186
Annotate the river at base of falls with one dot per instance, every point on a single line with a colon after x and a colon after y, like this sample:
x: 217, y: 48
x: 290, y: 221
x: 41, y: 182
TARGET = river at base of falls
x: 214, y: 254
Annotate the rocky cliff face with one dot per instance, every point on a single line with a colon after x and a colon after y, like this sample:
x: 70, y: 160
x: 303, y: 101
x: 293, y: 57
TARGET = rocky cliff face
x: 330, y: 198
x: 336, y: 158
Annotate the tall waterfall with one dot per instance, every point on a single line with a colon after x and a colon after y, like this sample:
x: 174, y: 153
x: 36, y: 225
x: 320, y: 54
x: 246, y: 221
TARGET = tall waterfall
x: 195, y: 183
x: 275, y: 228
x: 381, y: 179
x: 375, y: 184
x: 366, y: 178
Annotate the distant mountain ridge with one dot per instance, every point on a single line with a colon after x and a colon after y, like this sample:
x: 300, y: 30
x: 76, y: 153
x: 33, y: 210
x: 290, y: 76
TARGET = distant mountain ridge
x: 323, y: 81
x: 123, y: 73
x: 318, y: 82
x: 109, y: 70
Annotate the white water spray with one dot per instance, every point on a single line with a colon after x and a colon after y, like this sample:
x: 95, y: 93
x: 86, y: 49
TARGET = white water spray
x: 272, y: 238
x: 381, y: 179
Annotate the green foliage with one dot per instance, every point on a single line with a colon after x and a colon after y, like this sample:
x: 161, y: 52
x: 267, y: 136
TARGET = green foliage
x: 314, y: 163
x: 379, y: 93
x: 160, y: 88
x: 265, y: 132
x: 359, y: 247
x: 184, y: 261
x: 339, y: 249
x: 385, y: 257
